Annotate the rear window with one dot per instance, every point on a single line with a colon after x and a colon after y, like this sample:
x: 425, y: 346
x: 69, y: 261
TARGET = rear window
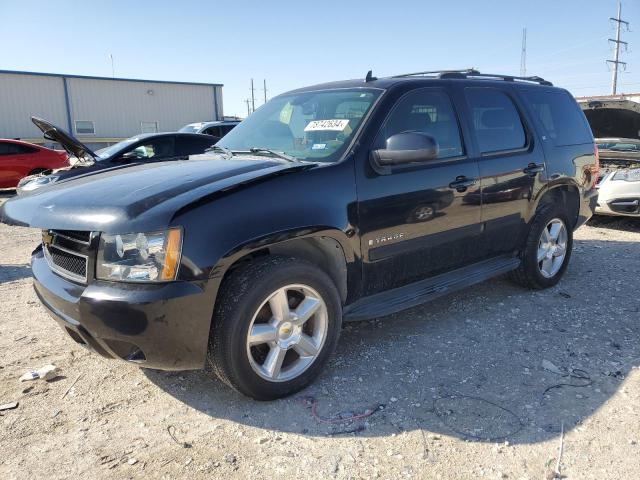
x: 496, y: 120
x: 15, y: 149
x: 560, y: 117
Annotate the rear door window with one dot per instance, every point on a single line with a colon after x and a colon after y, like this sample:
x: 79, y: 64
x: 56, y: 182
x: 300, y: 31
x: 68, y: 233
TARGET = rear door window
x: 496, y: 120
x: 15, y: 149
x: 193, y: 146
x: 560, y: 117
x: 214, y: 131
x: 160, y: 148
x: 225, y: 129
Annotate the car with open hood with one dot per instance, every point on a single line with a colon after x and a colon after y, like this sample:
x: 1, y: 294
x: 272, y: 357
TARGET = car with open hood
x: 143, y: 148
x: 342, y: 201
x: 615, y: 123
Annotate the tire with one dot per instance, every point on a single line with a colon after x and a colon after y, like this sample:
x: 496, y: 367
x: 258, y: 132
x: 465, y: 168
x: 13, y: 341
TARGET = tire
x: 530, y: 273
x: 250, y: 300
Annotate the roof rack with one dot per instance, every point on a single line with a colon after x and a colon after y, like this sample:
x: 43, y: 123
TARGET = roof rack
x: 473, y: 73
x: 437, y: 73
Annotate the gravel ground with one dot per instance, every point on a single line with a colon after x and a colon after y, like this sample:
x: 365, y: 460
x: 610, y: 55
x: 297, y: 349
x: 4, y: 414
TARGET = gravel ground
x: 457, y: 389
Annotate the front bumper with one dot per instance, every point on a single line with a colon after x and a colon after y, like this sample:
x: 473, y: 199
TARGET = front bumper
x: 163, y: 326
x: 618, y: 197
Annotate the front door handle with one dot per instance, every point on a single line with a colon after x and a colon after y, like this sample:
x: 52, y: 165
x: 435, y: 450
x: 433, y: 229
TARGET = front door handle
x: 533, y: 169
x: 461, y: 183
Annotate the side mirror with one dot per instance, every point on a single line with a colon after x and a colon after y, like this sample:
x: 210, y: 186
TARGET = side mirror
x: 406, y: 147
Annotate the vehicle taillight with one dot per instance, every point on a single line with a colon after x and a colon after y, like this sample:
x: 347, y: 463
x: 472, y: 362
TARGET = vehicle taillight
x: 595, y: 168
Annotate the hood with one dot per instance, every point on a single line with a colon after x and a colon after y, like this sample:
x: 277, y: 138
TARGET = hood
x: 31, y: 183
x: 612, y: 117
x: 71, y: 144
x: 141, y: 198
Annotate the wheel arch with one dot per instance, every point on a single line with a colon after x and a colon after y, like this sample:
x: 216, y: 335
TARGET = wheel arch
x: 567, y: 193
x: 327, y: 248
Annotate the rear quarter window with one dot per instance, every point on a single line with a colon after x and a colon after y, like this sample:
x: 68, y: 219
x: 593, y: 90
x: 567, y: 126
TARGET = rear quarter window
x: 559, y: 116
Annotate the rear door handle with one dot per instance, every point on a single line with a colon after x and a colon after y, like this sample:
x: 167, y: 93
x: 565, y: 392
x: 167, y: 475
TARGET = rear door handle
x: 461, y: 183
x: 533, y: 169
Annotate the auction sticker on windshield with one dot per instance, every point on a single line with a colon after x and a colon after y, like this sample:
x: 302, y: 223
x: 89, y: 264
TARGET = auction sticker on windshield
x: 334, y: 125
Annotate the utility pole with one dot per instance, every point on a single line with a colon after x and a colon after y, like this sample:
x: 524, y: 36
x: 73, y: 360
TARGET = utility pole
x: 248, y: 102
x: 113, y: 71
x: 264, y: 89
x: 253, y: 97
x: 523, y: 55
x: 616, y: 56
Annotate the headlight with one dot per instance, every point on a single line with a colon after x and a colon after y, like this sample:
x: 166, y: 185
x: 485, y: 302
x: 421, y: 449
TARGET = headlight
x: 630, y: 175
x: 28, y: 184
x: 140, y: 257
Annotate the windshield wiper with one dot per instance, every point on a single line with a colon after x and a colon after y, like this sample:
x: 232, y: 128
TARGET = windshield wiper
x: 219, y: 149
x: 273, y: 153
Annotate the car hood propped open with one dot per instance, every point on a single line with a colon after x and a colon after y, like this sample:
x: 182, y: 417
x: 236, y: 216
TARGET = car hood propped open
x: 71, y: 144
x: 612, y: 117
x: 141, y: 198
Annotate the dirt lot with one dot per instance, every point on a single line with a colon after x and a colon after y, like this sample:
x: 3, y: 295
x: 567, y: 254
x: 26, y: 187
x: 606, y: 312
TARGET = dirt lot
x: 457, y: 388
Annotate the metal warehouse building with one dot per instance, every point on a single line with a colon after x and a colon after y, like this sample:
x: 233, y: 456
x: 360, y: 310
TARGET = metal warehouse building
x: 101, y: 110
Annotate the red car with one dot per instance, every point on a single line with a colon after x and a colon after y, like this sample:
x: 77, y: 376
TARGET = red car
x: 19, y: 159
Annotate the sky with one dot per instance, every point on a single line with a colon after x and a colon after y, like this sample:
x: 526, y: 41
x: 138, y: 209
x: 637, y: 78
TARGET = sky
x: 297, y: 43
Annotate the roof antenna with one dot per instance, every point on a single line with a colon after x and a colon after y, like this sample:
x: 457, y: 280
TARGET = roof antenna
x: 370, y: 77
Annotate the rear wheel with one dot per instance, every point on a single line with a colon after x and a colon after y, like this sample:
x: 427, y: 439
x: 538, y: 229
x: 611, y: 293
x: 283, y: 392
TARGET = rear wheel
x: 547, y: 251
x: 276, y: 323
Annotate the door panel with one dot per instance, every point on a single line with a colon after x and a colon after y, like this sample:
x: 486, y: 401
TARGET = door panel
x: 510, y: 163
x: 413, y: 222
x: 15, y: 163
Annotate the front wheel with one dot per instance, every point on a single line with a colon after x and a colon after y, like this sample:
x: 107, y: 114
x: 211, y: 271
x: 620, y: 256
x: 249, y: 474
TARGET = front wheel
x: 547, y: 250
x: 276, y: 323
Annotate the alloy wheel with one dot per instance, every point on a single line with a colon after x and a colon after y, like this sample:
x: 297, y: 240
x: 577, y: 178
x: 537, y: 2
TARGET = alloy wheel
x: 552, y: 248
x: 287, y: 333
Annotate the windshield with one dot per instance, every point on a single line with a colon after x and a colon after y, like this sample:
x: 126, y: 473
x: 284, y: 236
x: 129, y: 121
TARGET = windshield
x: 116, y: 148
x: 193, y: 128
x: 308, y: 125
x: 620, y: 146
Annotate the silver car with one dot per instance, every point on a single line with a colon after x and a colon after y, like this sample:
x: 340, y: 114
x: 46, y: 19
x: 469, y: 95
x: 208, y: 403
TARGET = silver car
x: 218, y: 128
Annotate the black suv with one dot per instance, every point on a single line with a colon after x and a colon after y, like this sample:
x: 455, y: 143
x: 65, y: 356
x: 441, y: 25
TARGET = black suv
x: 342, y: 201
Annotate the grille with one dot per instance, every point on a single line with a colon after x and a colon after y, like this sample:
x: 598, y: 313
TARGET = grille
x: 67, y: 253
x: 75, y: 235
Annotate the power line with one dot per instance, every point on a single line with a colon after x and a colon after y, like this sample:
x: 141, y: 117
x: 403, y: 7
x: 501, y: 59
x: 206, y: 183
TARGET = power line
x: 253, y: 97
x: 523, y: 55
x: 616, y: 56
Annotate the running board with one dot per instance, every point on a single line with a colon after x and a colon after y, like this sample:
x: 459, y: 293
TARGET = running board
x: 401, y: 298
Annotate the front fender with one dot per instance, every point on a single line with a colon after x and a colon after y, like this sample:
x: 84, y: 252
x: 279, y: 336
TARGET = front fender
x: 312, y: 203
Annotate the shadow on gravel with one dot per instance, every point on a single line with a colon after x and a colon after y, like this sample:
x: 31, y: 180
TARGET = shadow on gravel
x: 11, y: 273
x: 494, y: 362
x: 625, y: 224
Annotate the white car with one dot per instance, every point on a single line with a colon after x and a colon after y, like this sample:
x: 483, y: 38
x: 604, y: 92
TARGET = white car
x: 615, y: 123
x: 619, y: 178
x: 218, y: 128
